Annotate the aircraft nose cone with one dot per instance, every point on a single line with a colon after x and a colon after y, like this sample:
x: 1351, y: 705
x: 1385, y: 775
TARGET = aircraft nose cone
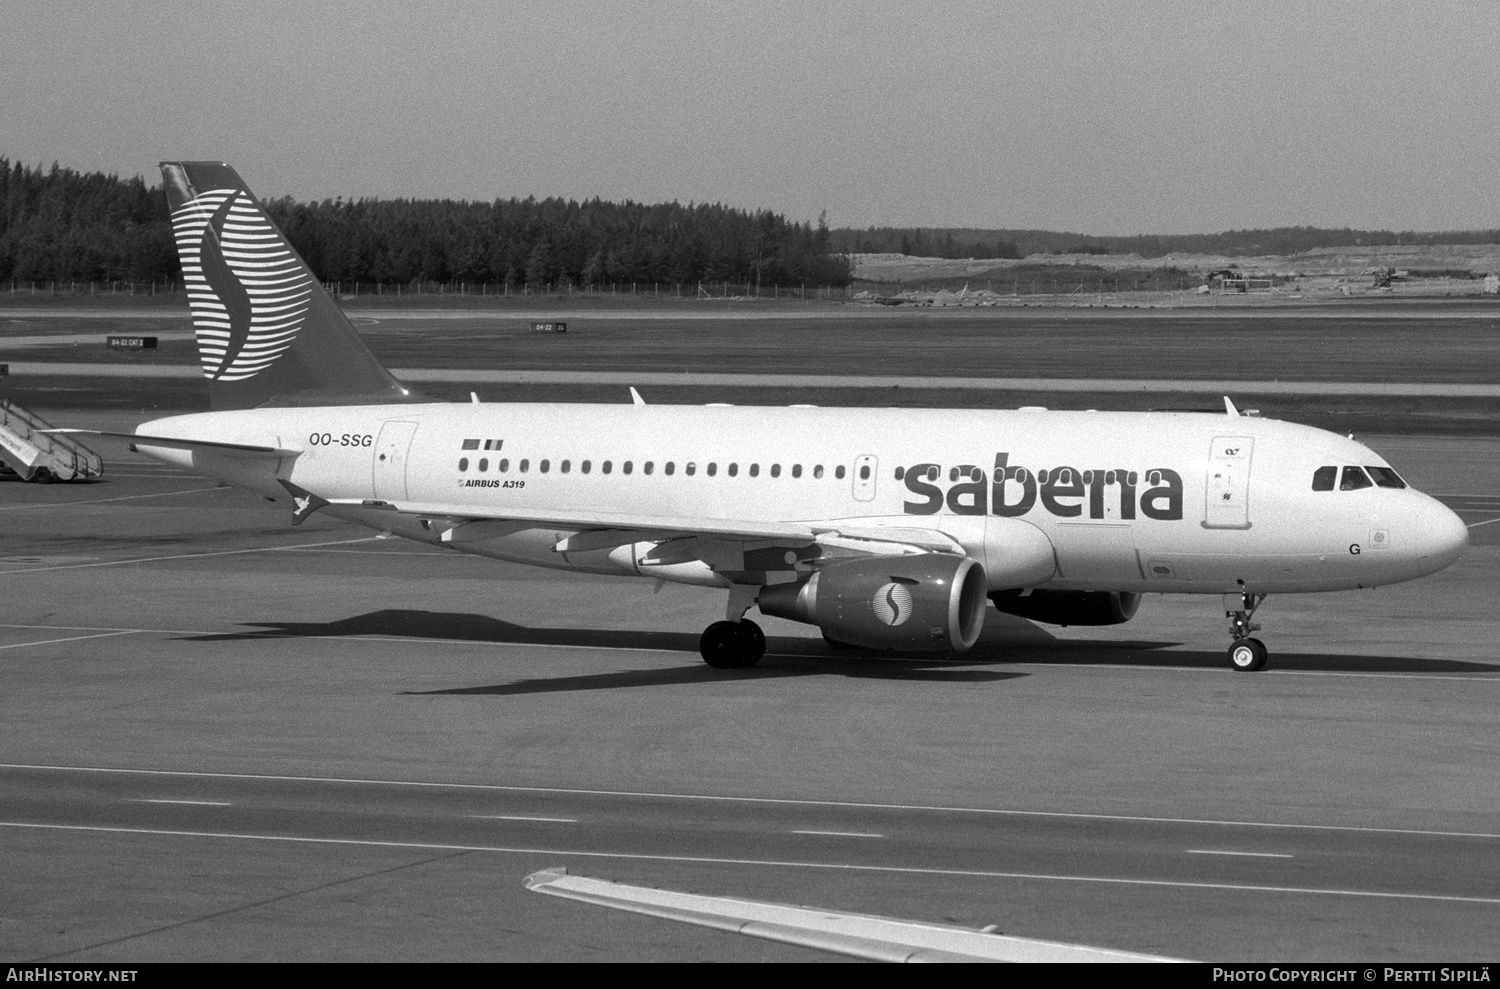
x: 1443, y: 538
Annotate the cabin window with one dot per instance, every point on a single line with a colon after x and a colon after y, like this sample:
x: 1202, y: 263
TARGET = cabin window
x: 1385, y: 477
x: 607, y: 466
x: 864, y: 473
x: 504, y: 465
x: 566, y: 466
x: 484, y: 464
x: 734, y: 470
x: 713, y: 469
x: 691, y: 468
x: 775, y: 470
x: 587, y: 466
x: 1353, y: 479
x: 546, y: 466
x: 838, y: 472
x: 755, y: 470
x: 670, y: 468
x: 647, y: 468
x: 796, y: 470
x: 525, y: 464
x: 463, y: 463
x: 471, y: 444
x: 629, y: 466
x: 1324, y: 477
x: 818, y: 472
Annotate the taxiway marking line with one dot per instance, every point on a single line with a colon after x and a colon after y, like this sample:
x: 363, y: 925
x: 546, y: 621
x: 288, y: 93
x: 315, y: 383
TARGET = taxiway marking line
x: 524, y: 817
x: 1253, y: 855
x: 101, y: 501
x: 1475, y: 525
x: 778, y: 801
x: 840, y: 834
x: 191, y: 803
x: 771, y: 863
x: 193, y: 556
x: 71, y: 638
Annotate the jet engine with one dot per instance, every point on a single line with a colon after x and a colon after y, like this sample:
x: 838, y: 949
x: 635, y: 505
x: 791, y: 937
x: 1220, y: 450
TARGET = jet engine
x: 932, y: 602
x: 1070, y: 607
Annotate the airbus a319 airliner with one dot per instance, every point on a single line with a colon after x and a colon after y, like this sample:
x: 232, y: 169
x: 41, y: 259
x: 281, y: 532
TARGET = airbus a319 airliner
x: 886, y: 528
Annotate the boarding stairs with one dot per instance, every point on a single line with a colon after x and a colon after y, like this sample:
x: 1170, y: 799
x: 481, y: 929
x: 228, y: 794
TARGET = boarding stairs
x: 27, y: 450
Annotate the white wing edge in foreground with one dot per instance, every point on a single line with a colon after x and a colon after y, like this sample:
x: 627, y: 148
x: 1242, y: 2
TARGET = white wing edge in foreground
x: 874, y: 938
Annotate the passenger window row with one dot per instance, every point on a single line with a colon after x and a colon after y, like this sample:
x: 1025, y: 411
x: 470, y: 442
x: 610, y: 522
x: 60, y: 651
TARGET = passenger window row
x: 669, y: 469
x: 1353, y: 478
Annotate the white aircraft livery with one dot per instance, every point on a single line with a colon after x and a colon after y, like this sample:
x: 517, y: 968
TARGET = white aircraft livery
x: 886, y: 528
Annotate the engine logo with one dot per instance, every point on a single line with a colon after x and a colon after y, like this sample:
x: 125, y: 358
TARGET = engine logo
x: 892, y: 603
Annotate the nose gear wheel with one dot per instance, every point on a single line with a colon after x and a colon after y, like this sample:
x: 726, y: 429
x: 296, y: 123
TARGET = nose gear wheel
x: 1246, y: 654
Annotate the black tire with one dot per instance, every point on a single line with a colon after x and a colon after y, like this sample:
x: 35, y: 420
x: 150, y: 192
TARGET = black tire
x: 754, y: 641
x: 42, y: 475
x: 724, y: 646
x: 1248, y: 655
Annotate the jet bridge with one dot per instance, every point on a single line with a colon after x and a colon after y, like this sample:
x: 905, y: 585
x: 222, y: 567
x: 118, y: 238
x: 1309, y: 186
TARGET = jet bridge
x: 27, y: 450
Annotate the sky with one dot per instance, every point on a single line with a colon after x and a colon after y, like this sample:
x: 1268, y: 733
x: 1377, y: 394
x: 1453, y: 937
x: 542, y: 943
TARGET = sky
x: 1107, y: 118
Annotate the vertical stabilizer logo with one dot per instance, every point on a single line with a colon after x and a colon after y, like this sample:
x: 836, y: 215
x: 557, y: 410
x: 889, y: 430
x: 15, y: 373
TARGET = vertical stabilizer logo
x: 249, y: 294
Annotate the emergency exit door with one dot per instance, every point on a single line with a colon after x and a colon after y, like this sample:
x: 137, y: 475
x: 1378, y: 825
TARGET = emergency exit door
x: 1228, y: 498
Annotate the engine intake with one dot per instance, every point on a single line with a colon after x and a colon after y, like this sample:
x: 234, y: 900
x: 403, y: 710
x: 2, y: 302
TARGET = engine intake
x: 933, y: 602
x: 1070, y: 607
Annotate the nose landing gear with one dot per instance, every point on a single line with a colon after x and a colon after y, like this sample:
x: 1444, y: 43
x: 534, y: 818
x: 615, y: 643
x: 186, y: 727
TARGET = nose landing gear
x: 1246, y: 654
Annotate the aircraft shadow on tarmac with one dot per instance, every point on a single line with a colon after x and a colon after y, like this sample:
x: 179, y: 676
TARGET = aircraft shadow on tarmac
x: 1006, y: 640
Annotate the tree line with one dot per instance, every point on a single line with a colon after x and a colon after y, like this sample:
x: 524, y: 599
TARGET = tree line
x: 960, y: 242
x: 63, y: 225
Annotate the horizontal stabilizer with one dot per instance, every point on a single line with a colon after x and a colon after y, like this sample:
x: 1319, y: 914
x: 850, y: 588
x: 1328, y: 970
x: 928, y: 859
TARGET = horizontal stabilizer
x: 178, y: 443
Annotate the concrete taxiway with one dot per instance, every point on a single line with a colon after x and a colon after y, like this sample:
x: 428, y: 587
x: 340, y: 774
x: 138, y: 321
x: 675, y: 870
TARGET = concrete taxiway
x: 226, y: 738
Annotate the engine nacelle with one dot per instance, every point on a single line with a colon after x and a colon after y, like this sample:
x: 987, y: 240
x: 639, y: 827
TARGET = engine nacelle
x: 933, y: 602
x: 1070, y: 607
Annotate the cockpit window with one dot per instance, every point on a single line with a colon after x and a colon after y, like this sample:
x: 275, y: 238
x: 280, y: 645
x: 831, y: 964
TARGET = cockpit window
x: 1353, y: 480
x: 1324, y: 477
x: 1385, y: 477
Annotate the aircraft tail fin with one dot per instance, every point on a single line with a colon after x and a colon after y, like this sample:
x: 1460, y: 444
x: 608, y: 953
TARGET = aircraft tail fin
x: 267, y: 332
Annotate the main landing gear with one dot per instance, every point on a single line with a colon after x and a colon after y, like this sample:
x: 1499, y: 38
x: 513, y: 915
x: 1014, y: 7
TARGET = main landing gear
x: 732, y: 645
x: 736, y: 642
x: 1246, y: 654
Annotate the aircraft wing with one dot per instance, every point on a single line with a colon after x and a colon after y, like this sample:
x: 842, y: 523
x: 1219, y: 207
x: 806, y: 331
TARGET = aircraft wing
x: 681, y: 538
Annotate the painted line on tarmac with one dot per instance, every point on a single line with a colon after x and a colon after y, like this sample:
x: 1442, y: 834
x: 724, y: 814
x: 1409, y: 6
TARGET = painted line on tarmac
x: 1475, y: 525
x: 192, y: 556
x: 768, y: 863
x: 1252, y: 855
x: 71, y: 638
x: 101, y: 501
x: 524, y: 817
x: 190, y: 803
x: 775, y: 801
x: 840, y: 834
